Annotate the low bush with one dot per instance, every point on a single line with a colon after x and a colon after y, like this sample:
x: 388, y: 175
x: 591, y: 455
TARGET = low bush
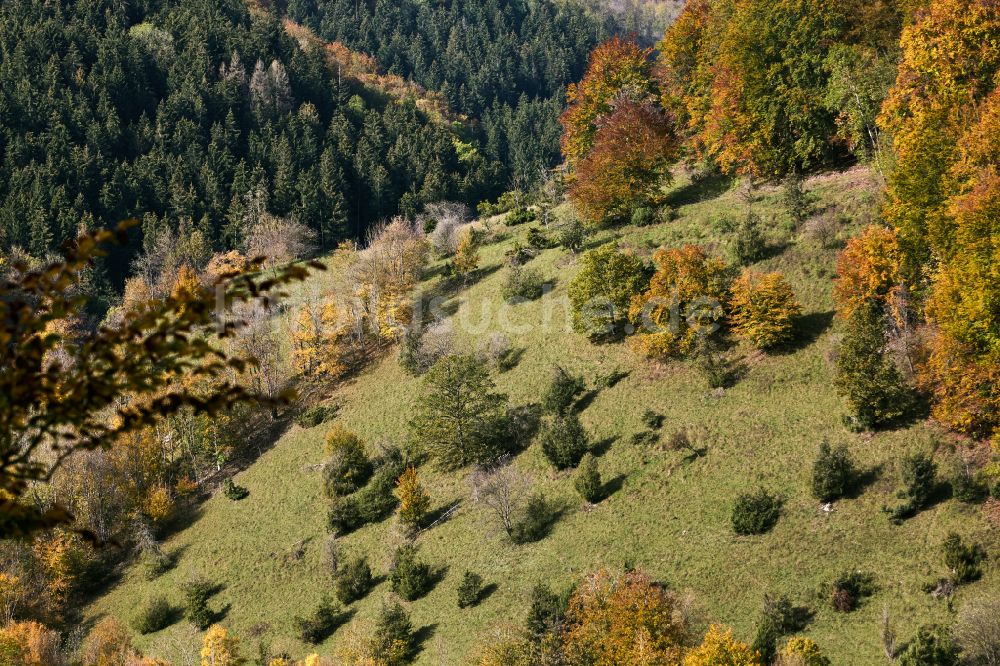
x: 197, y: 592
x: 588, y: 479
x: 749, y: 244
x: 570, y: 236
x: 962, y: 559
x: 652, y: 420
x: 316, y: 415
x: 348, y: 467
x: 155, y: 614
x: 563, y: 390
x: 564, y: 441
x: 321, y: 624
x: 470, y: 589
x: 755, y: 513
x: 967, y: 487
x: 848, y: 589
x: 393, y: 641
x: 520, y: 216
x: 918, y: 474
x: 643, y: 216
x: 344, y: 515
x: 410, y: 578
x: 353, y: 580
x: 534, y: 522
x: 833, y: 473
x: 538, y: 239
x: 932, y: 646
x: 233, y: 491
x: 522, y: 283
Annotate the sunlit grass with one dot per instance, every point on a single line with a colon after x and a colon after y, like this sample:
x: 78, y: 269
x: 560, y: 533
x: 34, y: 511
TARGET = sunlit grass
x: 670, y: 516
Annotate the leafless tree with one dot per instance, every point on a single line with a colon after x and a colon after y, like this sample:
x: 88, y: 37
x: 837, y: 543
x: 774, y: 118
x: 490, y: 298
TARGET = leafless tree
x: 503, y: 490
x: 279, y: 240
x: 978, y: 632
x: 888, y: 634
x: 450, y: 220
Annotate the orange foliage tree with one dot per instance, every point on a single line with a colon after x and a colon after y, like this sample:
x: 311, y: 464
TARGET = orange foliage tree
x: 633, y: 149
x: 616, y: 620
x: 763, y: 309
x: 617, y: 68
x: 869, y: 269
x: 950, y: 57
x: 683, y: 302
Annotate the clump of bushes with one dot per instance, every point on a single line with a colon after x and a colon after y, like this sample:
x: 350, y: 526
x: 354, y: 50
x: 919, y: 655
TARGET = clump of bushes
x: 197, y: 592
x: 564, y: 441
x: 534, y: 521
x: 410, y: 578
x: 962, y: 559
x: 353, y: 579
x: 372, y: 503
x: 967, y: 487
x: 833, y: 473
x: 763, y: 309
x: 522, y: 283
x: 316, y: 415
x: 570, y: 235
x: 563, y: 390
x: 323, y: 622
x: 588, y: 479
x: 155, y: 614
x: 520, y: 216
x: 348, y: 467
x: 537, y: 239
x: 932, y: 646
x: 848, y: 589
x: 470, y: 589
x: 643, y: 216
x: 233, y: 491
x: 918, y: 474
x: 756, y: 513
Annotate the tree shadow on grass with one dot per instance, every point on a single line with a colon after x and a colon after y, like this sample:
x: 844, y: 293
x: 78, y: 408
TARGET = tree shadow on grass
x: 602, y: 446
x: 440, y: 515
x: 485, y: 593
x: 864, y: 480
x: 612, y: 486
x: 700, y: 190
x: 422, y: 635
x: 808, y: 329
x: 587, y: 399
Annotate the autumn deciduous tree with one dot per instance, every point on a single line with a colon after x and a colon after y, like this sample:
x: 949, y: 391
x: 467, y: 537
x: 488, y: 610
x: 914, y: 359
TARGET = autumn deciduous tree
x: 624, y: 619
x: 682, y: 304
x: 950, y: 58
x: 617, y: 68
x: 220, y: 648
x: 38, y: 645
x: 762, y: 309
x: 868, y: 270
x: 466, y: 254
x: 628, y: 165
x: 414, y: 502
x: 768, y: 115
x: 719, y: 648
x: 61, y: 410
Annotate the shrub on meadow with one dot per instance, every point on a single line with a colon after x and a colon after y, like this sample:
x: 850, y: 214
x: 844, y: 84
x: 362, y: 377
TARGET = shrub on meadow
x: 755, y: 513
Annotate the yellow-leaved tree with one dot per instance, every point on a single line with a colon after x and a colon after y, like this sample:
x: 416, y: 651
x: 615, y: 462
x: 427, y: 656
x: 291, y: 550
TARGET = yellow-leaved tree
x: 414, y: 502
x: 763, y: 308
x: 719, y: 648
x: 220, y: 648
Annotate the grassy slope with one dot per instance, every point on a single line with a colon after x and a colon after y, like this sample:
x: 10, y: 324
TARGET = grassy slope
x: 669, y: 517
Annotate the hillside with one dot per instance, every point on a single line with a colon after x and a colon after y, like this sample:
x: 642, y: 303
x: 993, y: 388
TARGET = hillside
x: 668, y: 515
